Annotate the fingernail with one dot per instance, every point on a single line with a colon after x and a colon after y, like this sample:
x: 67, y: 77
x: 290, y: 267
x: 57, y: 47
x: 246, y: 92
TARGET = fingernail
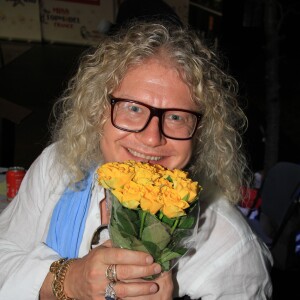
x: 153, y: 288
x: 149, y: 260
x: 157, y: 269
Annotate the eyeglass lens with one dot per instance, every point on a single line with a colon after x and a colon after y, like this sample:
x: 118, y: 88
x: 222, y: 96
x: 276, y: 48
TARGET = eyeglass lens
x: 133, y: 116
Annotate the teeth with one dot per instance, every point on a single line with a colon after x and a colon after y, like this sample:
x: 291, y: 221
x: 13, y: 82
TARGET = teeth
x: 137, y: 154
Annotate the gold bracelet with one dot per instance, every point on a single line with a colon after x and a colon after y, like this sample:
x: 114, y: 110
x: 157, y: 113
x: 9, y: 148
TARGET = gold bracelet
x: 55, y: 266
x: 59, y: 268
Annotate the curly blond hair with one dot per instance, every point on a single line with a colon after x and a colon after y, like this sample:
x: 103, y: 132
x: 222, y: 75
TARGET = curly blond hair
x: 218, y: 159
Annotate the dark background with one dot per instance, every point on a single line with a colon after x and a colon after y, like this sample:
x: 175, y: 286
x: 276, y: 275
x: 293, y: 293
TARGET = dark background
x: 34, y: 79
x: 240, y: 35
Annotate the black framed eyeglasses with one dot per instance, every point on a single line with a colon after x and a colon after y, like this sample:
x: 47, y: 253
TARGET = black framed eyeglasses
x: 135, y: 116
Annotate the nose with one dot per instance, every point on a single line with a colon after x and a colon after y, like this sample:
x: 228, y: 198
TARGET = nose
x: 151, y: 136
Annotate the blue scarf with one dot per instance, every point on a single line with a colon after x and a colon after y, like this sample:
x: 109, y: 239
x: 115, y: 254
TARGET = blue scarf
x: 69, y: 217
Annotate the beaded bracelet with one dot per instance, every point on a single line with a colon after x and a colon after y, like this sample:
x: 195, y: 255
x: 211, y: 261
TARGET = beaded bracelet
x: 59, y: 268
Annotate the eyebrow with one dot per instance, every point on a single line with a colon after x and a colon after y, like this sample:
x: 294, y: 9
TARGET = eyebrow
x: 148, y: 105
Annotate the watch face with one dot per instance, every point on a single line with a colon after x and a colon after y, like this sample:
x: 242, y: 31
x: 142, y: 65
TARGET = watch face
x: 100, y: 235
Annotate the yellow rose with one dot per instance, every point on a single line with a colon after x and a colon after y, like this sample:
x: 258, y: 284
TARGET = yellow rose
x: 114, y: 175
x: 176, y: 173
x: 150, y: 200
x: 159, y: 168
x: 130, y: 195
x: 145, y: 173
x: 152, y: 187
x: 187, y: 189
x: 173, y: 205
x: 162, y: 181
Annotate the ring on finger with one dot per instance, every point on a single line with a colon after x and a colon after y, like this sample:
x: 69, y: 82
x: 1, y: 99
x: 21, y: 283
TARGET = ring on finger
x: 110, y: 293
x: 111, y: 273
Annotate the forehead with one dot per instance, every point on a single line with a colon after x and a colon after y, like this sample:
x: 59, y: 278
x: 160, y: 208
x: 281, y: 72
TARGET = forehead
x: 157, y: 83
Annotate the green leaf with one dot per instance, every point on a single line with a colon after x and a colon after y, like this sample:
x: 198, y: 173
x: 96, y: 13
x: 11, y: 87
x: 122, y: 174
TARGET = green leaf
x: 178, y: 239
x: 150, y: 219
x: 169, y: 178
x: 189, y: 220
x: 153, y: 249
x: 125, y: 223
x: 126, y: 218
x: 186, y: 222
x: 168, y: 221
x: 186, y: 197
x: 118, y: 239
x: 168, y: 255
x: 165, y: 265
x: 157, y: 234
x: 139, y: 246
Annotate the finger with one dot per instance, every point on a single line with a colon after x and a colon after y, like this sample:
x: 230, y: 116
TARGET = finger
x: 135, y: 289
x: 165, y: 291
x: 127, y: 272
x: 129, y: 264
x: 123, y: 256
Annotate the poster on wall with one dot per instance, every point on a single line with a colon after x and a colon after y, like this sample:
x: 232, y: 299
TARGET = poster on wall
x: 76, y: 21
x: 20, y: 20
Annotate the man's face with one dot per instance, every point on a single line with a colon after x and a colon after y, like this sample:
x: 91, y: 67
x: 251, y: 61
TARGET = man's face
x: 159, y: 85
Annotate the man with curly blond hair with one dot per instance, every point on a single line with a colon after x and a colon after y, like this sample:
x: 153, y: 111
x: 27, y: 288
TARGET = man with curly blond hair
x: 155, y: 93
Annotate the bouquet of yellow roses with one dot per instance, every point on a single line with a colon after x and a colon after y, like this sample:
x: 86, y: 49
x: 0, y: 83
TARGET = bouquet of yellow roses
x: 152, y: 209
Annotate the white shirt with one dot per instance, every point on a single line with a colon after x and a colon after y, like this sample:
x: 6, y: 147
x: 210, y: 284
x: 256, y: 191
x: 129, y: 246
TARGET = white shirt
x: 229, y: 263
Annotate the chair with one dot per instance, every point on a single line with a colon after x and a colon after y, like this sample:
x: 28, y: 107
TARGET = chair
x: 280, y: 202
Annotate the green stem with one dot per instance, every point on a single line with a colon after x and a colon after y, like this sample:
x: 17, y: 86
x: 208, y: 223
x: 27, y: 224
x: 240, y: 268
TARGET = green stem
x: 144, y: 213
x: 174, y: 225
x: 160, y: 215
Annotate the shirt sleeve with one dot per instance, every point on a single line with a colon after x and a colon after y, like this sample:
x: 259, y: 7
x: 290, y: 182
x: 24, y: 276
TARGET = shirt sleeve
x: 230, y: 262
x: 24, y: 257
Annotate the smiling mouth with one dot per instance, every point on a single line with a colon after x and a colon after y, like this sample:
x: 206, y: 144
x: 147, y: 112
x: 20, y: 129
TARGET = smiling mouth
x: 143, y: 156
